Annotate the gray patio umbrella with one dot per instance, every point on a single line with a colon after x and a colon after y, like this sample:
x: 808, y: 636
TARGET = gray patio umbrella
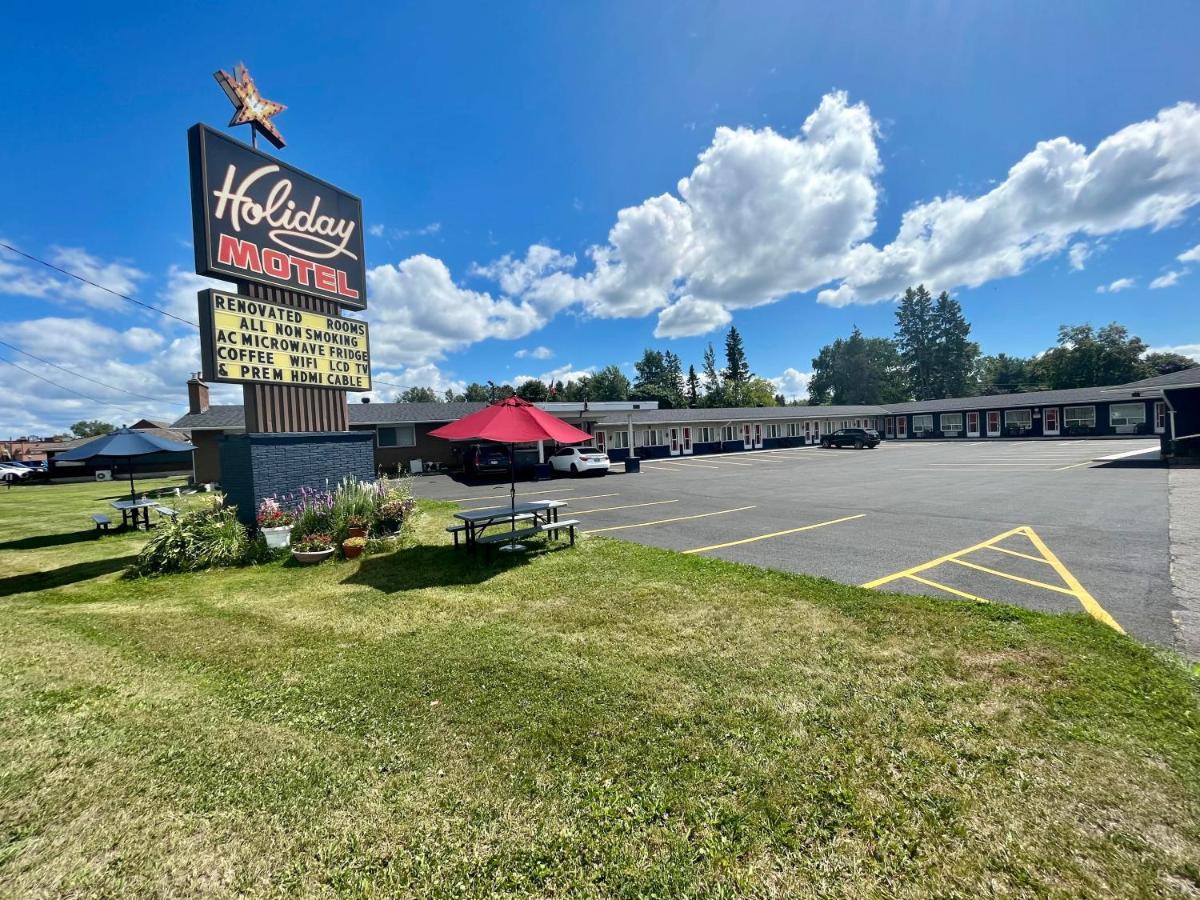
x: 126, y: 445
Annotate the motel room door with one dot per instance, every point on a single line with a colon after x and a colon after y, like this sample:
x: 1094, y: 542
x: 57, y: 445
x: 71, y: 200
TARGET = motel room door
x: 687, y: 441
x: 901, y: 426
x: 599, y: 436
x: 673, y: 435
x: 1050, y: 420
x: 994, y: 423
x: 972, y: 424
x: 889, y: 427
x: 758, y: 435
x: 747, y: 436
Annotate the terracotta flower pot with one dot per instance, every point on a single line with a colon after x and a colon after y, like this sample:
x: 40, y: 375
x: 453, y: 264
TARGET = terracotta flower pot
x: 351, y: 551
x: 312, y: 557
x: 358, y: 532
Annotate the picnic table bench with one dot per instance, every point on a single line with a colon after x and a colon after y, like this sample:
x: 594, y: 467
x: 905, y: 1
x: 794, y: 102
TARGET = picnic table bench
x: 539, y: 513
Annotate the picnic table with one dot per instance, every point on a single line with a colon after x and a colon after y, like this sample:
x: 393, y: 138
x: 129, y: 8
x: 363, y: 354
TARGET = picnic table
x: 477, y: 521
x: 136, y: 512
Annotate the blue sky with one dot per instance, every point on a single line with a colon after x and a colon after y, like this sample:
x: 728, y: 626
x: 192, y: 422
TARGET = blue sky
x: 594, y: 179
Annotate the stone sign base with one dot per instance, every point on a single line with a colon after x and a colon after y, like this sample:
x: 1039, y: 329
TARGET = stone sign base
x: 254, y: 466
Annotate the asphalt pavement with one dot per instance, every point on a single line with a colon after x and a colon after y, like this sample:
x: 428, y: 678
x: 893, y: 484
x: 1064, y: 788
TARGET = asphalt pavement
x: 1036, y: 523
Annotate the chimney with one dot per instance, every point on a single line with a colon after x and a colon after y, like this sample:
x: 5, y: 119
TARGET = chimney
x: 197, y: 395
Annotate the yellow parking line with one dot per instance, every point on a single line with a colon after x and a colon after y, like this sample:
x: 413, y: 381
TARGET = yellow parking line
x: 1019, y: 553
x: 580, y: 512
x: 588, y: 497
x: 773, y: 534
x: 719, y: 512
x: 1095, y: 610
x: 1086, y: 462
x: 519, y: 496
x: 934, y: 563
x: 1030, y: 581
x: 948, y: 590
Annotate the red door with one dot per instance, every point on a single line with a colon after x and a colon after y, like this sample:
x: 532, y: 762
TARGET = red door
x: 1050, y: 421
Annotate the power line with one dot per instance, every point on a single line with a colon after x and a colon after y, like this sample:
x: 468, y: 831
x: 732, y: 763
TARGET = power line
x: 88, y: 281
x: 111, y: 387
x: 67, y: 389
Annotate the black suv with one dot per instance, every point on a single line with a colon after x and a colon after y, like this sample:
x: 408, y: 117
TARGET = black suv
x: 855, y: 437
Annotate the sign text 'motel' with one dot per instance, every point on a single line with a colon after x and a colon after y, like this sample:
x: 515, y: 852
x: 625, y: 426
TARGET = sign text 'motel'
x: 245, y: 340
x: 257, y: 219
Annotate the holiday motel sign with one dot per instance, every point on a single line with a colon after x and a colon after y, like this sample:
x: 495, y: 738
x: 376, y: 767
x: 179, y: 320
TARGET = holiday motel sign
x: 256, y: 219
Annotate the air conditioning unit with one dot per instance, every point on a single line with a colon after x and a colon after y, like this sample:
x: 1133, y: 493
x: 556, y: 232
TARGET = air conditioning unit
x: 104, y: 474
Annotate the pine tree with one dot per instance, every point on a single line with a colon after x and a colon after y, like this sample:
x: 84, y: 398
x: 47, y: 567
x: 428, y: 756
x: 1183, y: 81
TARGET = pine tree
x: 713, y: 390
x: 737, y: 372
x: 916, y: 339
x: 693, y: 388
x: 956, y: 358
x: 673, y: 378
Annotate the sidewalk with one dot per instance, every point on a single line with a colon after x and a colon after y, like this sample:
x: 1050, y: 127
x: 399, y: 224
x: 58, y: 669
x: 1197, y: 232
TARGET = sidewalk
x: 1184, y: 504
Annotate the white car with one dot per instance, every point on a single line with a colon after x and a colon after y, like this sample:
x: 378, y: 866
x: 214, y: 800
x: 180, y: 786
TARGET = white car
x: 14, y: 473
x: 579, y: 460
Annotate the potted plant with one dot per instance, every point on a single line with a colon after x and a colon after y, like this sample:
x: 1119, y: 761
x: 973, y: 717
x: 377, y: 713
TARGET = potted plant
x: 357, y: 526
x: 353, y: 546
x: 393, y: 511
x: 275, y: 523
x: 312, y: 549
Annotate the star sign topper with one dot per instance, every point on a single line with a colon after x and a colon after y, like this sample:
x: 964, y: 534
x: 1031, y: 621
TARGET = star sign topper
x: 251, y: 108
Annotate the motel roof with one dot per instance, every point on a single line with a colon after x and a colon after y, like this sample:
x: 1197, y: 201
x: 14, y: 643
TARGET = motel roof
x: 230, y: 417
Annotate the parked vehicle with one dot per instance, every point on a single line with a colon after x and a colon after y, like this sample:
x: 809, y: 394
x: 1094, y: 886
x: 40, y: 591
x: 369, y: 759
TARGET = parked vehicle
x: 580, y: 460
x: 486, y: 459
x: 11, y: 472
x: 853, y: 437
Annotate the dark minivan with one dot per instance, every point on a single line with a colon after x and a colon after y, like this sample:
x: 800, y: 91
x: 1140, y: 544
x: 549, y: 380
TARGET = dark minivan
x: 853, y: 437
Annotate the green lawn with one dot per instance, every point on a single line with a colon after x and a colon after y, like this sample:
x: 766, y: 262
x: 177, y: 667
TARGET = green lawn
x: 608, y: 720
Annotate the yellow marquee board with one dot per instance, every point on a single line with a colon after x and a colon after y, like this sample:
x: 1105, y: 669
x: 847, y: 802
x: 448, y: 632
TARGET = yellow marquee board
x: 244, y: 340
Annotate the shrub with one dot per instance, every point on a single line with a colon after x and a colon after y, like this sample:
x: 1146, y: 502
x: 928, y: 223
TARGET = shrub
x: 206, y: 538
x: 313, y: 514
x: 313, y: 543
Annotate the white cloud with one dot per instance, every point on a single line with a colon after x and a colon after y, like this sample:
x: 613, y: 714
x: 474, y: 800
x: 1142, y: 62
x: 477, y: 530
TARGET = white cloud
x: 562, y: 373
x: 29, y: 280
x: 689, y: 316
x: 1145, y: 175
x: 428, y: 375
x: 1078, y: 253
x: 1115, y: 287
x: 1192, y: 255
x: 418, y: 314
x: 1192, y: 350
x: 1170, y: 279
x: 142, y: 340
x: 536, y: 353
x: 793, y: 384
x: 179, y: 295
x: 400, y: 234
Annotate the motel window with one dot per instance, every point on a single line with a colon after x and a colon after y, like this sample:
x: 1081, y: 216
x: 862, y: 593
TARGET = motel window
x: 709, y: 434
x: 921, y: 424
x: 1079, y: 417
x: 396, y: 436
x: 952, y: 422
x: 730, y: 433
x: 618, y: 440
x: 1018, y: 418
x: 654, y: 437
x: 793, y: 429
x: 772, y: 429
x: 1127, y: 414
x: 1160, y: 416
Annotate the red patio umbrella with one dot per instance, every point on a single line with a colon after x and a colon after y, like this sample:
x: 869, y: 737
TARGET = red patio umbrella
x: 512, y: 421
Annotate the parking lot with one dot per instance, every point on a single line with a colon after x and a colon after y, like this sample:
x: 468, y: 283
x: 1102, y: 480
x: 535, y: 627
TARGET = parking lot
x: 1039, y: 524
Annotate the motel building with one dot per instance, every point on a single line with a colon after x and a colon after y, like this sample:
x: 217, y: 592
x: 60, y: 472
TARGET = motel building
x: 1167, y: 407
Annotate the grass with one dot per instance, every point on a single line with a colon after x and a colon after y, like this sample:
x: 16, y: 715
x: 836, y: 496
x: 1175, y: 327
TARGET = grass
x: 610, y: 720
